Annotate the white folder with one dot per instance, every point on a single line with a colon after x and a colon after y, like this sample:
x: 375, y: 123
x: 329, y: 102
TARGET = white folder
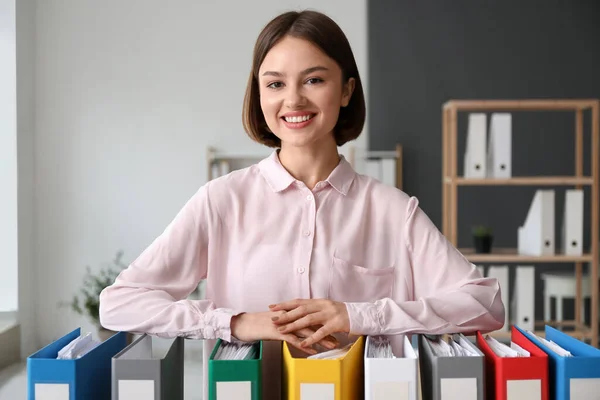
x: 391, y: 378
x: 373, y: 168
x: 500, y: 272
x: 499, y: 162
x: 523, y: 301
x: 572, y: 224
x: 475, y: 154
x: 215, y: 170
x: 536, y: 236
x: 225, y: 169
x: 388, y: 171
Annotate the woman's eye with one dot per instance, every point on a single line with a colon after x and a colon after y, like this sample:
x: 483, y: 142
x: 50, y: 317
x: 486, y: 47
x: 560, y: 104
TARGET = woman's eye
x: 313, y: 81
x: 275, y: 85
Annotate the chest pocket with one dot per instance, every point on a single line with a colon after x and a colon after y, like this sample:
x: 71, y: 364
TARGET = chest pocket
x: 353, y: 283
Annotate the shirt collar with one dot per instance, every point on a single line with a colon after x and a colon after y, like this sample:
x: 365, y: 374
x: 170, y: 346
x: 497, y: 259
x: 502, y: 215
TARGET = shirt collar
x: 280, y: 179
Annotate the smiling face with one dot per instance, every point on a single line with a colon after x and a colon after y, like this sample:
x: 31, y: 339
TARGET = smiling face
x: 301, y: 92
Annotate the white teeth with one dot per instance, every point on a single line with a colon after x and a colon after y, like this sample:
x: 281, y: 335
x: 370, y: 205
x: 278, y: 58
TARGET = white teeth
x: 298, y: 119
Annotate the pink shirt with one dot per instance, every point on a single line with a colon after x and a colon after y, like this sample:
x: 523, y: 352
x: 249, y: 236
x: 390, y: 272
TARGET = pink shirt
x: 259, y: 236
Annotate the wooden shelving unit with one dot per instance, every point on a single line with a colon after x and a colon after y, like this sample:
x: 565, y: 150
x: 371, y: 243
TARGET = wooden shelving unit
x: 451, y: 182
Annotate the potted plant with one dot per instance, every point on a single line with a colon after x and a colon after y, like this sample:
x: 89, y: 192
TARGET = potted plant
x: 483, y: 238
x: 87, y: 302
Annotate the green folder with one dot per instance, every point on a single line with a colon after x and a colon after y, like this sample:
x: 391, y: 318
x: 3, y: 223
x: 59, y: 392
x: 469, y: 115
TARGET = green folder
x: 235, y: 379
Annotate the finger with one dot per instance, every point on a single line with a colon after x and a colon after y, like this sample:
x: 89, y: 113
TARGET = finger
x: 305, y: 322
x: 295, y: 341
x: 328, y: 342
x: 289, y: 305
x: 296, y: 313
x: 319, y: 335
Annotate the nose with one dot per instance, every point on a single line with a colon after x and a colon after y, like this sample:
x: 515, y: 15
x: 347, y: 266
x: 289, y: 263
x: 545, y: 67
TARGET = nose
x: 295, y: 98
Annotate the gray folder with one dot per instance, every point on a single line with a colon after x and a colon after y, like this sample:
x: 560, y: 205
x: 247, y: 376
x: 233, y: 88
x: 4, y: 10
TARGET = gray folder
x: 139, y: 373
x: 451, y: 377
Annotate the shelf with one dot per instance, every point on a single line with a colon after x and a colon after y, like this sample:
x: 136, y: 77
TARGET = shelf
x: 520, y: 105
x: 524, y: 181
x: 578, y: 334
x: 590, y: 181
x: 510, y: 255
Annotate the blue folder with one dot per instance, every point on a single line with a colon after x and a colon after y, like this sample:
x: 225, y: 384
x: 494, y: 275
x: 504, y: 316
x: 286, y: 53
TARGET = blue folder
x: 577, y: 377
x: 86, y: 378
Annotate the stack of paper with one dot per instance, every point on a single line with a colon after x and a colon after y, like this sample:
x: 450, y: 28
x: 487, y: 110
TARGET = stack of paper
x: 452, y: 348
x: 331, y: 354
x: 236, y: 351
x: 552, y: 345
x: 502, y: 350
x: 379, y: 347
x: 77, y: 348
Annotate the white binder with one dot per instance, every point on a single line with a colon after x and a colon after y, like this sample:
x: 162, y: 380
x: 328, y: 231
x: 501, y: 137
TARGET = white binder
x: 388, y: 171
x: 523, y: 301
x: 500, y: 272
x: 391, y: 378
x: 475, y: 154
x: 499, y: 157
x: 536, y: 236
x: 572, y: 224
x: 373, y: 168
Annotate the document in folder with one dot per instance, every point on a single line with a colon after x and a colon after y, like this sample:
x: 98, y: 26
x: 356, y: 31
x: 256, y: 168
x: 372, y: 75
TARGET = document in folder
x: 86, y: 377
x: 515, y: 377
x: 451, y: 369
x: 388, y: 375
x: 574, y: 365
x: 235, y: 371
x: 325, y: 379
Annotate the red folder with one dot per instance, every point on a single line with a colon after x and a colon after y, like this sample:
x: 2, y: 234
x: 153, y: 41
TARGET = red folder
x: 515, y: 378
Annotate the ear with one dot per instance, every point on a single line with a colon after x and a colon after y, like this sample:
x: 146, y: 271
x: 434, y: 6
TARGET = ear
x: 347, y: 92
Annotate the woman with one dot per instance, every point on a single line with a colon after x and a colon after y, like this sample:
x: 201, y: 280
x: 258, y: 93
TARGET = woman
x: 299, y: 246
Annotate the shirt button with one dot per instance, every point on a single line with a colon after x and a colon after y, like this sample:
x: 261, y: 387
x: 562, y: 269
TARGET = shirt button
x: 309, y: 197
x: 301, y: 270
x: 306, y: 233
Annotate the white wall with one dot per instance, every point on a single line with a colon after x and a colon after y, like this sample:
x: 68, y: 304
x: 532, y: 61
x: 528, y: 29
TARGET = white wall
x: 8, y: 159
x: 129, y: 94
x: 25, y: 17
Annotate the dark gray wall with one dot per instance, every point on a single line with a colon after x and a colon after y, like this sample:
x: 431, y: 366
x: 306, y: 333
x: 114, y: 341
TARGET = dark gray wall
x: 425, y: 53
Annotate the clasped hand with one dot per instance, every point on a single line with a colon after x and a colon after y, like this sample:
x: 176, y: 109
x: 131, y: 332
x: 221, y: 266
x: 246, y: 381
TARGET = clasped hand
x: 302, y: 323
x: 298, y: 315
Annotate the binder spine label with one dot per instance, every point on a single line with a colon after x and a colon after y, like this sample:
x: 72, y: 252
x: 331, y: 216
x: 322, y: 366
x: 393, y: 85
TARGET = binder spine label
x: 52, y: 391
x: 241, y: 390
x: 317, y: 391
x: 136, y: 389
x: 584, y: 388
x: 391, y: 390
x: 530, y: 389
x: 458, y: 388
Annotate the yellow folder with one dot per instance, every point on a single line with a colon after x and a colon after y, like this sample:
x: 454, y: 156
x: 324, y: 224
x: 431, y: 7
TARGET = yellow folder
x: 337, y: 379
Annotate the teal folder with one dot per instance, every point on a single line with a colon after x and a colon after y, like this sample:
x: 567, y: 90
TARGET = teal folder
x: 235, y: 379
x: 571, y: 378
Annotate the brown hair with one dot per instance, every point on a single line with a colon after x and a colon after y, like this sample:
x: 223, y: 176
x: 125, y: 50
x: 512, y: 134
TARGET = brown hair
x: 324, y: 33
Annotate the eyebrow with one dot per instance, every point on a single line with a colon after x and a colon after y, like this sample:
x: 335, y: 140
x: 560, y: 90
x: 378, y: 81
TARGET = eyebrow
x: 305, y: 72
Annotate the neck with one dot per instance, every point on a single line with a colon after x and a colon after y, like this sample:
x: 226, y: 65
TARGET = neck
x: 310, y: 165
